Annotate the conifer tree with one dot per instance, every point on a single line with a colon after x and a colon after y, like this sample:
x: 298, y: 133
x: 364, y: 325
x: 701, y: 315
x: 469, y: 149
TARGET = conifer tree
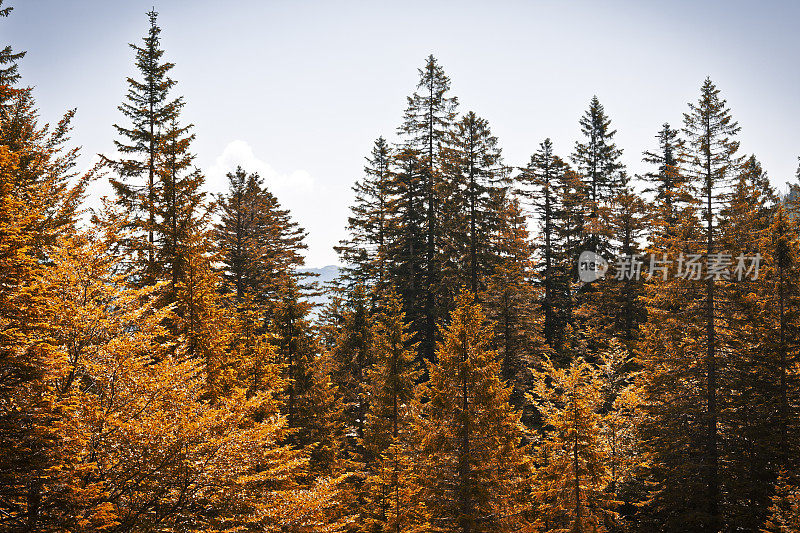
x: 782, y: 272
x: 388, y: 438
x: 711, y: 162
x: 683, y: 340
x: 352, y: 357
x: 428, y: 119
x: 365, y: 252
x: 510, y: 301
x: 9, y: 70
x: 311, y: 406
x: 572, y: 226
x: 260, y: 245
x: 629, y: 224
x: 150, y: 110
x: 667, y: 180
x: 180, y: 201
x: 614, y: 309
x: 471, y: 204
x: 597, y: 161
x: 472, y: 466
x: 760, y: 328
x: 544, y: 185
x: 572, y: 490
x: 407, y: 246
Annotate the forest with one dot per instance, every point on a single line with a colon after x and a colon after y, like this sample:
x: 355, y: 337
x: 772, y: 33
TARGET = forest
x: 164, y: 368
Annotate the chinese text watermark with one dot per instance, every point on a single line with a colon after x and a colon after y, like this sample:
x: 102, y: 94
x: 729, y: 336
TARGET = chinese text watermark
x: 714, y: 266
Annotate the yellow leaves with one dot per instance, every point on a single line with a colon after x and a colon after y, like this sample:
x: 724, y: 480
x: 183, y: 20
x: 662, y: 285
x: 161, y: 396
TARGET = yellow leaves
x: 134, y: 432
x: 576, y: 474
x: 305, y: 510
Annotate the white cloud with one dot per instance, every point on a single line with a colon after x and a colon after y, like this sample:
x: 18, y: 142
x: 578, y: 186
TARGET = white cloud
x: 240, y: 153
x: 313, y: 205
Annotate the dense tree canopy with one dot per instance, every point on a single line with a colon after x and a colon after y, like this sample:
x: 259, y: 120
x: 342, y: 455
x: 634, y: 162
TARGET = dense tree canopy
x: 164, y: 367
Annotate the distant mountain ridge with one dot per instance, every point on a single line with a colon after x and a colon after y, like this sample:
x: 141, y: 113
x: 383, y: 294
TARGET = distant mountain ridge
x: 324, y: 276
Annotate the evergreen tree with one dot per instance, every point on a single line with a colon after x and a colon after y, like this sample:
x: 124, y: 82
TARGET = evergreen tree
x: 597, y: 161
x: 471, y: 205
x: 9, y: 70
x: 572, y: 489
x: 180, y: 200
x: 406, y: 249
x: 759, y: 329
x: 390, y: 490
x: 150, y: 110
x: 629, y: 219
x: 781, y: 301
x: 429, y: 117
x: 544, y: 182
x: 352, y: 357
x: 667, y: 180
x: 685, y: 336
x: 510, y: 301
x: 365, y: 252
x: 613, y: 307
x: 473, y: 468
x: 311, y: 406
x: 260, y: 245
x: 711, y: 162
x: 571, y: 228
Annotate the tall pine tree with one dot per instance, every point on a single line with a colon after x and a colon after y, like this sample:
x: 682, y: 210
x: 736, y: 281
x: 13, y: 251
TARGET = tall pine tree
x: 473, y: 470
x: 150, y: 109
x: 429, y: 117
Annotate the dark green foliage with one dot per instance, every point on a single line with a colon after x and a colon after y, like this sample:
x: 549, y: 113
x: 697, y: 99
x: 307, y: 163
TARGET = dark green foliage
x: 150, y: 110
x: 259, y: 244
x: 365, y: 252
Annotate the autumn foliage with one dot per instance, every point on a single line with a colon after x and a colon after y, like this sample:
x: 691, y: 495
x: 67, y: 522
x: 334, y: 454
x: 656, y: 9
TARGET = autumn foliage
x: 164, y: 365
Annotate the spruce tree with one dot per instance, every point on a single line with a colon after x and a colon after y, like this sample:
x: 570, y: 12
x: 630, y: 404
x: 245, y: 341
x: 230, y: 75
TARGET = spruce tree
x: 9, y: 70
x: 352, y: 357
x: 365, y: 252
x: 597, y: 161
x: 686, y: 335
x: 510, y: 300
x: 613, y: 309
x: 150, y: 110
x: 544, y: 186
x: 473, y: 195
x: 429, y: 117
x: 312, y: 408
x: 667, y: 181
x: 759, y: 329
x: 259, y: 243
x: 473, y: 469
x: 180, y: 203
x: 407, y: 230
x: 388, y: 437
x: 711, y: 162
x: 782, y: 301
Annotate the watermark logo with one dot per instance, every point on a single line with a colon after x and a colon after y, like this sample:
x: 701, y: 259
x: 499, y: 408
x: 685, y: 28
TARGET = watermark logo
x: 715, y: 266
x: 591, y: 266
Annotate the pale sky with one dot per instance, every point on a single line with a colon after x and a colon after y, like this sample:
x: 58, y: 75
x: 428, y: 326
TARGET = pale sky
x: 298, y: 91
